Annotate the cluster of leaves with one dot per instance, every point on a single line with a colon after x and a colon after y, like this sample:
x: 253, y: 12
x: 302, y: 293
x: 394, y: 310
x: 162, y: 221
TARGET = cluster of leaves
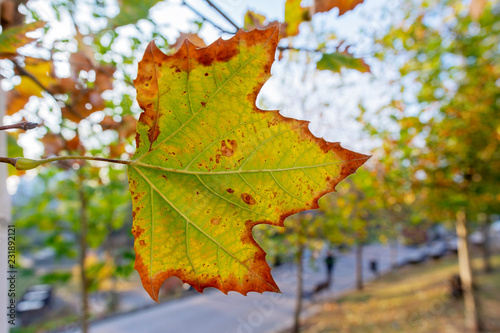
x: 295, y: 15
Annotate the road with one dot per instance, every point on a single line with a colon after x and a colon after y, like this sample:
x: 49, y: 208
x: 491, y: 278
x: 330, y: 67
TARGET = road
x: 235, y: 313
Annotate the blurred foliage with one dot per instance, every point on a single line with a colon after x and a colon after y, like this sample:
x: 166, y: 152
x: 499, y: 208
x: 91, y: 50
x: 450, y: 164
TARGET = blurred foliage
x: 448, y: 137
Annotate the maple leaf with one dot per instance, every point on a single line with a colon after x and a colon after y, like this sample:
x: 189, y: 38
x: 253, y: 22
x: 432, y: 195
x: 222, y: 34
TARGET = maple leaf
x: 344, y: 6
x: 253, y: 20
x: 132, y: 11
x: 13, y: 38
x: 193, y: 38
x: 295, y: 14
x: 336, y: 61
x: 210, y: 165
x: 41, y: 70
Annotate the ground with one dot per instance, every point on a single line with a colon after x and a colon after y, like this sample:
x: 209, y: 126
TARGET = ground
x: 410, y: 299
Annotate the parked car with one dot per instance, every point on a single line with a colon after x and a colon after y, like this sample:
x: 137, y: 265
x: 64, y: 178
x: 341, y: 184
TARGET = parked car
x: 437, y: 249
x: 418, y: 255
x: 34, y: 302
x: 477, y: 237
x: 452, y: 244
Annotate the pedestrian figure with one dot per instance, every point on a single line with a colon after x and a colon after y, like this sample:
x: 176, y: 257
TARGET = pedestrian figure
x: 330, y: 263
x: 374, y: 266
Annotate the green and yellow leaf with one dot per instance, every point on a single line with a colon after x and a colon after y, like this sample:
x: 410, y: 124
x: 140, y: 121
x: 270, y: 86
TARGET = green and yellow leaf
x: 210, y: 165
x: 336, y: 61
x: 132, y: 11
x: 295, y: 14
x: 13, y: 38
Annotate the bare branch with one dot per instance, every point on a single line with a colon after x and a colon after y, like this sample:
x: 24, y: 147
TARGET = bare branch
x: 283, y: 48
x: 223, y: 14
x: 204, y: 18
x: 24, y: 125
x: 24, y: 72
x: 8, y: 160
x: 28, y: 74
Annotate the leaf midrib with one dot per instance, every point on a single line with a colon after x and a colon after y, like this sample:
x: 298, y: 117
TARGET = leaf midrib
x: 136, y: 164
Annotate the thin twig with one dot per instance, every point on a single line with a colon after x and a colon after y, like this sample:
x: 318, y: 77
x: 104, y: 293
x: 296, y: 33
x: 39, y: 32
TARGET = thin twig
x: 223, y: 14
x: 283, y: 48
x: 204, y: 18
x: 24, y: 125
x: 28, y: 74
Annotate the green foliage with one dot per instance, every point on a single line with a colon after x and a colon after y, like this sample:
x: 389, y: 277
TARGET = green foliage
x: 132, y: 11
x: 336, y: 61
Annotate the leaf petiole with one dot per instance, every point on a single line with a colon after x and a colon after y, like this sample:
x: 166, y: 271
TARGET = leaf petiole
x: 22, y: 163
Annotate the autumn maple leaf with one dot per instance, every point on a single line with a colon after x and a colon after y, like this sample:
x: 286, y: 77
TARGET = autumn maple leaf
x: 210, y: 165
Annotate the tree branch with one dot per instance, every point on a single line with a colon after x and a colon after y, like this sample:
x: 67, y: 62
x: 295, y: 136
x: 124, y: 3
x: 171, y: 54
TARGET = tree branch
x: 223, y: 14
x: 284, y: 48
x: 204, y: 18
x: 32, y: 77
x: 24, y: 125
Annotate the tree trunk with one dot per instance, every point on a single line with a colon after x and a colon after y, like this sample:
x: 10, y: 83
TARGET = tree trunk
x: 300, y: 289
x: 485, y: 225
x: 5, y: 218
x: 471, y: 307
x: 359, y: 266
x: 83, y: 254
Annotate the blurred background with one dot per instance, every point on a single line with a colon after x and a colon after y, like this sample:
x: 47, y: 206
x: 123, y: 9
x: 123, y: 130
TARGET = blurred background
x: 410, y: 243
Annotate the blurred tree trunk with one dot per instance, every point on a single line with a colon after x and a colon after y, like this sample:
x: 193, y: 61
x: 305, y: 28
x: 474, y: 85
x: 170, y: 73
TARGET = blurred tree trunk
x: 470, y: 301
x: 359, y: 266
x: 83, y: 254
x: 113, y: 301
x: 5, y: 217
x: 300, y: 288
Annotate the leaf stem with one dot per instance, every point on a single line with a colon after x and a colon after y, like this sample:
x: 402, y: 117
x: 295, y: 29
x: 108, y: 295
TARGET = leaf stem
x: 88, y: 158
x: 24, y: 125
x: 22, y: 163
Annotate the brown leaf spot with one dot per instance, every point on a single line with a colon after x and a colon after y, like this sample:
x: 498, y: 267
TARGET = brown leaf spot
x: 137, y: 231
x: 230, y: 190
x: 215, y: 220
x: 228, y: 147
x: 248, y: 199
